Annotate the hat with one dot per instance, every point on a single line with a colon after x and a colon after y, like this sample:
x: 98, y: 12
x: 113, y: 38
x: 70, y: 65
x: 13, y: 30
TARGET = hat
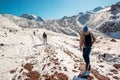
x: 85, y: 28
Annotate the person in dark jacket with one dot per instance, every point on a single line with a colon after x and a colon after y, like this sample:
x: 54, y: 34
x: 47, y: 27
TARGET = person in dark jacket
x: 44, y: 38
x: 87, y: 39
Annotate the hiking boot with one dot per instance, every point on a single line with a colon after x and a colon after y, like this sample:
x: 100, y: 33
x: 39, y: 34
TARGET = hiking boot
x: 88, y: 67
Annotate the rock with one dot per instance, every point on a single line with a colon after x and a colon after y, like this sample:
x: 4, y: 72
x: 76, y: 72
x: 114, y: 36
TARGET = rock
x: 54, y: 67
x: 97, y: 41
x: 118, y: 55
x: 62, y: 76
x: 77, y: 39
x: 65, y: 69
x: 51, y: 77
x: 110, y: 74
x: 113, y: 40
x: 28, y: 66
x: 2, y: 55
x: 115, y: 77
x: 60, y: 68
x: 1, y: 44
x: 74, y: 71
x: 98, y: 75
x: 33, y: 75
x: 12, y: 71
x: 114, y: 71
x: 45, y: 75
x: 90, y: 78
x: 108, y: 48
x: 20, y: 70
x: 117, y: 66
x: 13, y: 79
x: 10, y: 30
x: 59, y: 76
x: 19, y: 77
x: 101, y: 66
x: 104, y: 42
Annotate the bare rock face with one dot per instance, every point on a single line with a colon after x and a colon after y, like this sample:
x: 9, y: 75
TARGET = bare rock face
x: 113, y: 24
x: 110, y: 26
x: 115, y: 8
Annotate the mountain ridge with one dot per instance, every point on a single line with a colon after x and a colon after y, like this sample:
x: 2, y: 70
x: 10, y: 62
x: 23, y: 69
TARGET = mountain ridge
x: 32, y: 17
x: 73, y: 25
x: 23, y: 56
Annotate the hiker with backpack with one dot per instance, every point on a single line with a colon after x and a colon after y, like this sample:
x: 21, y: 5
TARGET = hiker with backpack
x: 44, y: 38
x: 34, y: 33
x: 87, y: 39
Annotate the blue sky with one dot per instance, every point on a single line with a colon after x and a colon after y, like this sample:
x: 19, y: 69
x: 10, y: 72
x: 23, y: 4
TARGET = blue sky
x: 51, y: 9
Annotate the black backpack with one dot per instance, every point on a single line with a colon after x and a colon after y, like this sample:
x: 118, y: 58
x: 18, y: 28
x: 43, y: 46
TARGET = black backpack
x: 88, y: 40
x: 44, y: 35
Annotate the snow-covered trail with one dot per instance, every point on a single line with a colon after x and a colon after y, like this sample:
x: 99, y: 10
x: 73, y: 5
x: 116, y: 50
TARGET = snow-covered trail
x: 60, y: 55
x: 30, y: 49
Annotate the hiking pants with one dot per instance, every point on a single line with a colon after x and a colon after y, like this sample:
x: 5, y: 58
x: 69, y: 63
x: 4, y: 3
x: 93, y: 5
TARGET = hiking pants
x: 45, y: 41
x: 86, y: 53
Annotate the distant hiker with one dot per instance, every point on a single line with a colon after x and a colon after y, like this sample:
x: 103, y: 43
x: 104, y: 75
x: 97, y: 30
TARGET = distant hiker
x: 34, y: 33
x: 44, y: 38
x: 86, y: 41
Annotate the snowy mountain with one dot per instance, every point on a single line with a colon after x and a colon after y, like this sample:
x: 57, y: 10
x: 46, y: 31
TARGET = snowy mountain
x: 24, y: 57
x: 97, y: 9
x: 53, y: 25
x: 112, y: 25
x: 32, y: 17
x: 94, y: 10
x: 100, y: 21
x: 115, y: 8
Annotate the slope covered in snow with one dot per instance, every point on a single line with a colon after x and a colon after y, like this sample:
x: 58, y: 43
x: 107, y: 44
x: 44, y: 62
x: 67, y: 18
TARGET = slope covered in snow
x: 23, y: 55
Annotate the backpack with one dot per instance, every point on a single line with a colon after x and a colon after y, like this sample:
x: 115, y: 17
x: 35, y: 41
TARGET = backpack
x: 88, y: 40
x: 44, y: 35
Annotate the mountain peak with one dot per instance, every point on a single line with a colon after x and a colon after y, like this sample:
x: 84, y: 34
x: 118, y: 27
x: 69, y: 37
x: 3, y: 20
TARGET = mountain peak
x: 97, y: 9
x: 31, y: 17
x: 115, y: 8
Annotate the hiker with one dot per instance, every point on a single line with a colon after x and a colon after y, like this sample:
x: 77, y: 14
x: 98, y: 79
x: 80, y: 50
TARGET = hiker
x: 44, y: 38
x: 87, y: 39
x: 34, y: 33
